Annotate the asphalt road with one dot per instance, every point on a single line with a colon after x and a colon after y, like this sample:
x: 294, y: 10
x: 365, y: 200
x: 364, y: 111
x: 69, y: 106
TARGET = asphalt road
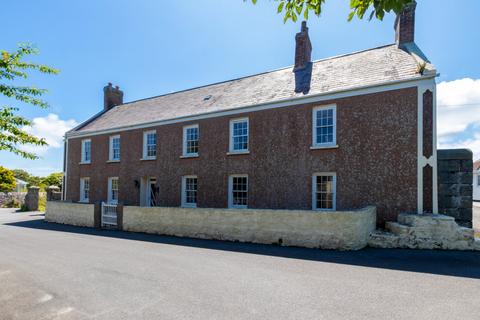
x: 50, y: 271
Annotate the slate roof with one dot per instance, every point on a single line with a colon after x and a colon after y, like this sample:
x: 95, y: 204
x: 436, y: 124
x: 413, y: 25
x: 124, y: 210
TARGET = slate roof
x: 365, y: 68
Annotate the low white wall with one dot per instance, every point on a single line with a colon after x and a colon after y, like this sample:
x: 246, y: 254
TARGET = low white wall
x: 346, y: 230
x: 77, y: 214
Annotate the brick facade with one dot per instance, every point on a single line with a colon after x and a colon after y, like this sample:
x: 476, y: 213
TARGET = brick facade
x: 375, y: 162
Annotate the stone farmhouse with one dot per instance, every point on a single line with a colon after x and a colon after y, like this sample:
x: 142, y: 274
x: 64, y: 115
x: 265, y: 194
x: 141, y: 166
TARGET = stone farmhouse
x: 335, y: 134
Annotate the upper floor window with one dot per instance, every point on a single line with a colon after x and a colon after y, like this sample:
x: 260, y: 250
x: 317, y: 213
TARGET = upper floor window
x: 324, y: 126
x: 113, y: 190
x: 150, y: 144
x: 86, y: 151
x: 190, y: 140
x: 324, y: 191
x: 189, y: 191
x: 114, y: 152
x: 238, y: 191
x: 239, y: 135
x: 84, y: 189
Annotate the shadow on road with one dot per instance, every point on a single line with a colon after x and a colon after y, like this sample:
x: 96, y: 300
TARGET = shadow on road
x: 449, y: 263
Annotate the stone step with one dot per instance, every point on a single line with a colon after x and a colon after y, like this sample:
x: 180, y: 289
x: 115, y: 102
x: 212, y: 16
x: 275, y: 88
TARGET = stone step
x: 398, y: 229
x: 426, y: 220
x: 383, y: 239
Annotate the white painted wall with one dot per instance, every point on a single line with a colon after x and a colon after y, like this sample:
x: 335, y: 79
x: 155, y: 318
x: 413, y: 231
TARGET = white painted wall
x: 476, y: 185
x: 76, y: 214
x: 344, y: 230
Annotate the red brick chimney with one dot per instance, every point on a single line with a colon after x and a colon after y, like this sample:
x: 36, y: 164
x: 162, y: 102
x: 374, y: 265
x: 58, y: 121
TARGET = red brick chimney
x: 303, y: 60
x: 405, y: 24
x: 112, y: 96
x: 303, y: 48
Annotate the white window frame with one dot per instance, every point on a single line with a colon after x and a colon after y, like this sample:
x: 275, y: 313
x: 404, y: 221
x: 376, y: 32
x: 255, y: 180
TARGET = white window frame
x: 315, y: 143
x: 110, y: 185
x: 230, y: 191
x: 110, y: 148
x: 184, y: 148
x: 82, y: 189
x: 145, y: 145
x: 231, y: 144
x: 184, y: 192
x: 82, y: 156
x: 314, y: 191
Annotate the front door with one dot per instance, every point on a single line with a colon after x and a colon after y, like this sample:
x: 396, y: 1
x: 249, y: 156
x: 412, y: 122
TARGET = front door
x: 152, y: 192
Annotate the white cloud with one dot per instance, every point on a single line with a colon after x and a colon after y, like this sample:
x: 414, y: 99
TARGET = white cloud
x: 458, y: 105
x: 52, y: 128
x: 472, y: 143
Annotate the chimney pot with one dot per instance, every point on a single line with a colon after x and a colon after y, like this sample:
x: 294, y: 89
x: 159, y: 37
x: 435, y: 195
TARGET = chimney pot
x: 112, y: 96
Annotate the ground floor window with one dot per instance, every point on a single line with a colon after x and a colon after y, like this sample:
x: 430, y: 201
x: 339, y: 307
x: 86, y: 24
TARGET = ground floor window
x: 324, y: 191
x: 84, y: 189
x: 189, y: 191
x: 113, y: 190
x: 238, y: 191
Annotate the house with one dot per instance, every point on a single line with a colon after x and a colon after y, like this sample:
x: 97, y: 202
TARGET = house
x: 333, y: 134
x: 21, y: 186
x: 476, y: 180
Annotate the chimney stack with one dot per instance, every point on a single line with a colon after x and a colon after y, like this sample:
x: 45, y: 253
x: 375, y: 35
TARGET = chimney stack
x: 405, y: 24
x: 112, y: 96
x: 303, y: 60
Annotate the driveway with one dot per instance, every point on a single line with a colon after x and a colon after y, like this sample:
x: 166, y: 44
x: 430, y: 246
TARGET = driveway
x: 50, y: 271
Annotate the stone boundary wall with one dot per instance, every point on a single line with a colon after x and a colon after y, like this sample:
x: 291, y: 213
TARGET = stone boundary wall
x: 6, y: 197
x: 77, y: 214
x: 455, y: 174
x: 345, y: 230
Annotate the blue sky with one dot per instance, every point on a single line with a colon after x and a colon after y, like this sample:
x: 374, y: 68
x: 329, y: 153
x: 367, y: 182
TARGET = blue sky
x: 154, y: 47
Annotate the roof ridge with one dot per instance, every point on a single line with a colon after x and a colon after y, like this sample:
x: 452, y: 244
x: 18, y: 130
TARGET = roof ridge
x: 251, y: 75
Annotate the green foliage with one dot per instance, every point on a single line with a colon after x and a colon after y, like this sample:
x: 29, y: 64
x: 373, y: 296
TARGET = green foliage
x: 21, y: 174
x: 7, y: 180
x: 42, y: 202
x: 54, y: 179
x: 12, y: 67
x: 293, y: 9
x: 12, y: 203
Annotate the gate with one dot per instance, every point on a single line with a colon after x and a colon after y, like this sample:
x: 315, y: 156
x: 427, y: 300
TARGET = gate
x: 109, y: 215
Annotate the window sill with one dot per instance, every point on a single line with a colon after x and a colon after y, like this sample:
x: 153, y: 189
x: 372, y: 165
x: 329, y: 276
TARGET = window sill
x: 190, y: 206
x: 112, y: 161
x: 85, y: 162
x: 189, y: 156
x: 234, y: 153
x: 238, y: 207
x: 148, y: 159
x: 324, y: 147
x: 84, y: 201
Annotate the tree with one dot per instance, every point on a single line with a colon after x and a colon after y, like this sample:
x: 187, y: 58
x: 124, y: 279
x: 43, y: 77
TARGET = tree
x: 12, y: 67
x: 53, y: 179
x: 292, y: 9
x: 21, y: 174
x: 7, y: 180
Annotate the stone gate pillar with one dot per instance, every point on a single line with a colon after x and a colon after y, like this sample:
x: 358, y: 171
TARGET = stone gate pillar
x: 32, y: 198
